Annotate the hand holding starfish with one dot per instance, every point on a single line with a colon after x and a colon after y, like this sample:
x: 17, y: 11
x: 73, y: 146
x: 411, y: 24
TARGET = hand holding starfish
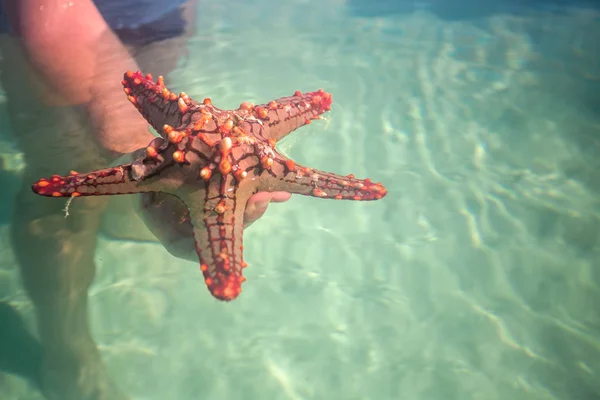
x: 214, y: 160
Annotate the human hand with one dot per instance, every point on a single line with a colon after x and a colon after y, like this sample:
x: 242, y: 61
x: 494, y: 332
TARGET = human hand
x: 258, y: 203
x: 168, y: 218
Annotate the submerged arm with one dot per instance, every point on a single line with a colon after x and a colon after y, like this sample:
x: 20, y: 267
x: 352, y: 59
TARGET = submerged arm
x: 80, y: 61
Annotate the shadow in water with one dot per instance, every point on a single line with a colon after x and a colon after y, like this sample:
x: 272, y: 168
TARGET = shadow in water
x: 20, y: 352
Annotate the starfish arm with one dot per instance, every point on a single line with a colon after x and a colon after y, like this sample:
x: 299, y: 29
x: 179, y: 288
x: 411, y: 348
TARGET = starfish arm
x: 109, y: 181
x: 280, y: 117
x: 154, y: 101
x: 286, y: 175
x: 213, y: 160
x: 217, y: 223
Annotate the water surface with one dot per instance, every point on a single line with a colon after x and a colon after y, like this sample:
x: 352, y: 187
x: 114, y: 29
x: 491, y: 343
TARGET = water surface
x: 477, y: 277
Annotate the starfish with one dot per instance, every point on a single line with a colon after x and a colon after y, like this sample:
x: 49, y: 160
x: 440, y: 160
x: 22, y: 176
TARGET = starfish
x: 213, y: 160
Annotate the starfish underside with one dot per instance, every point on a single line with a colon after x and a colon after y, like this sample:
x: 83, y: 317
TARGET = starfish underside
x: 214, y: 160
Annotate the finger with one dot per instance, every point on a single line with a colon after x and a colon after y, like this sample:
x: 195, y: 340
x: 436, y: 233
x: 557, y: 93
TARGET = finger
x: 280, y: 197
x: 256, y: 207
x: 259, y: 198
x: 258, y: 203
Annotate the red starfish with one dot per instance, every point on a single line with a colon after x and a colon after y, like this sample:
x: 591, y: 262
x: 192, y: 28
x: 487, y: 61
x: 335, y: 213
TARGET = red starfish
x: 214, y: 160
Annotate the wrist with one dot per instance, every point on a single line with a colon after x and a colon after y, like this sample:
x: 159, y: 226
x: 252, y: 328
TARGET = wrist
x: 118, y: 127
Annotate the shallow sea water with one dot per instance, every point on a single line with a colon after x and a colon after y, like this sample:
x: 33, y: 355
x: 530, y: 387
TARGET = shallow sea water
x: 477, y: 277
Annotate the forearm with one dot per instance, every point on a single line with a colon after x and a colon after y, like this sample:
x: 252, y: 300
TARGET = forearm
x: 81, y: 62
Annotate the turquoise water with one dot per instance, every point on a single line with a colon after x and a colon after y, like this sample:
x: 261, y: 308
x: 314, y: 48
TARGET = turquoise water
x: 477, y: 277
